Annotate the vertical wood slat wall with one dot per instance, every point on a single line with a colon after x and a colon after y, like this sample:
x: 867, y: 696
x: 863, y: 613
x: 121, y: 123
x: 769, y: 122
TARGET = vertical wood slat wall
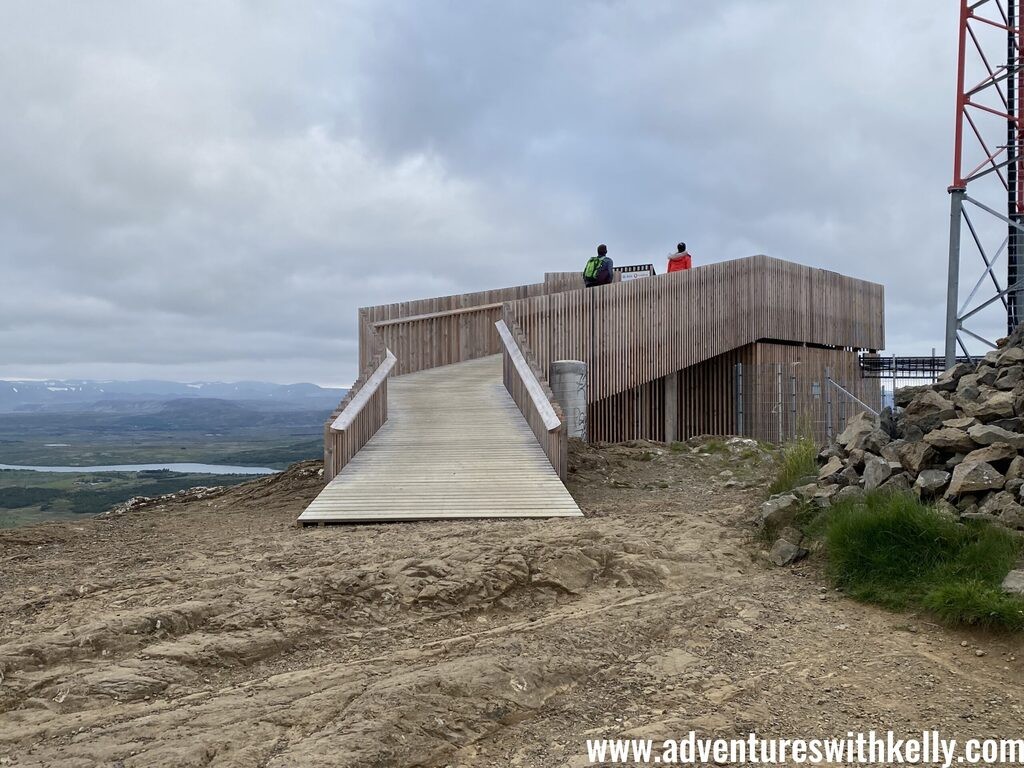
x: 707, y: 395
x: 554, y: 442
x: 636, y: 332
x: 636, y: 414
x: 708, y: 405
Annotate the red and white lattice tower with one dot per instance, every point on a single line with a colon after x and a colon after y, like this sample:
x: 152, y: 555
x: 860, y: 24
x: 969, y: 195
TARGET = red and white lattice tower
x: 987, y: 193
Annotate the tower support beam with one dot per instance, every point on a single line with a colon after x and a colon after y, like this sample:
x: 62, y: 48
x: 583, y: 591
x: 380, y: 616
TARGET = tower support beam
x: 990, y: 32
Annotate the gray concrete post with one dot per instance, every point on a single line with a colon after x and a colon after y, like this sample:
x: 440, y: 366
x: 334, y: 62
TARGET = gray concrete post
x: 569, y: 386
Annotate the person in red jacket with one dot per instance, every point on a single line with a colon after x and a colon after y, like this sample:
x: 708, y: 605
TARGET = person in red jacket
x: 679, y: 260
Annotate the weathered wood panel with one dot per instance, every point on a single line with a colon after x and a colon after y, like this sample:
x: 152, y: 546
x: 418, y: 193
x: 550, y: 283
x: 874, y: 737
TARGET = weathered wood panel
x: 531, y: 393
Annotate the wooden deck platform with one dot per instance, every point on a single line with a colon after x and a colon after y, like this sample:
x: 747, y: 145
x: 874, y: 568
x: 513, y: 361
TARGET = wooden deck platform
x: 454, y: 446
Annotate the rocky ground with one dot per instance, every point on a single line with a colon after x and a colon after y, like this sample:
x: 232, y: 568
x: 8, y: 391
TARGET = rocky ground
x: 207, y: 630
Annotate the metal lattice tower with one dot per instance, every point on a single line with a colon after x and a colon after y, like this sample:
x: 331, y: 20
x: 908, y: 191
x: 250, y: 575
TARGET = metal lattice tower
x: 987, y: 199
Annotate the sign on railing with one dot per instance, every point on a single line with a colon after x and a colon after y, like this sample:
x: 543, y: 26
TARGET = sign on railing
x: 635, y: 271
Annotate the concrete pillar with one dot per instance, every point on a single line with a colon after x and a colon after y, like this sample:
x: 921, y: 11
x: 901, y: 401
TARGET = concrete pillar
x: 569, y: 385
x: 672, y: 407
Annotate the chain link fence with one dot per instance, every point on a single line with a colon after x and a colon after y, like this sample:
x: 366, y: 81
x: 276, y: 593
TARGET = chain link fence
x: 779, y: 402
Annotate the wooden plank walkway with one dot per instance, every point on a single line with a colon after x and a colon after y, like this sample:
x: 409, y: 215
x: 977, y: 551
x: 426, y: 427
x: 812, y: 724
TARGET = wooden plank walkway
x: 454, y: 446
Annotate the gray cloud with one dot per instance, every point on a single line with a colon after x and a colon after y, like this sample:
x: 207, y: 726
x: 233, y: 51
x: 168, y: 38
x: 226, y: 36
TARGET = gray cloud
x: 210, y: 190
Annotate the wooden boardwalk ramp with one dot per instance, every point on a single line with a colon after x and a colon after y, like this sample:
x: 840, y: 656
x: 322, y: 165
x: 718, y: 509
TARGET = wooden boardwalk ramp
x: 454, y: 446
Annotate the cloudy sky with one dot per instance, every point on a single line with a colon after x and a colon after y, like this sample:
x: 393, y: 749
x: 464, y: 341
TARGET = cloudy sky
x: 209, y: 190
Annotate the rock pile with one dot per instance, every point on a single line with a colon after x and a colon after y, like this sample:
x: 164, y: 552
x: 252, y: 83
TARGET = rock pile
x: 957, y: 443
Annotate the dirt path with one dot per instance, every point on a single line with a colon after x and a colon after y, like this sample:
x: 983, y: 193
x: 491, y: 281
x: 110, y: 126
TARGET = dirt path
x: 211, y: 632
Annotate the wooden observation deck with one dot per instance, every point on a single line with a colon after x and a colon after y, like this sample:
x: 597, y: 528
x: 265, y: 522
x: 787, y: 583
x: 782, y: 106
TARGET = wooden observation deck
x: 452, y: 415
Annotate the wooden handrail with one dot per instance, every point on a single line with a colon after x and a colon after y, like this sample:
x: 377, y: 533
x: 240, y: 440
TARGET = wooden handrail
x: 362, y: 397
x: 432, y: 315
x: 533, y: 386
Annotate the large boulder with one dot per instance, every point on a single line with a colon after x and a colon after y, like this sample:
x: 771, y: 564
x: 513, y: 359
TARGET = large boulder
x: 876, y: 472
x: 967, y: 384
x: 991, y: 405
x: 986, y: 375
x: 856, y: 458
x: 904, y: 395
x: 805, y: 492
x: 874, y: 441
x: 784, y: 552
x: 986, y: 434
x: 999, y: 455
x: 1016, y: 424
x: 965, y: 422
x: 950, y: 440
x: 829, y: 451
x: 1016, y: 469
x: 948, y: 380
x: 780, y: 510
x: 953, y: 460
x: 966, y: 395
x: 931, y: 482
x: 830, y: 471
x: 972, y: 476
x: 1009, y: 378
x: 916, y: 456
x: 891, y: 452
x: 856, y: 429
x: 1013, y: 584
x: 848, y: 476
x: 928, y: 410
x: 901, y: 482
x: 1003, y: 506
x: 1010, y: 356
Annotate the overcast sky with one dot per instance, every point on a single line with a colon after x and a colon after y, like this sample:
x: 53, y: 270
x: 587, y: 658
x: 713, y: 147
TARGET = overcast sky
x: 209, y: 190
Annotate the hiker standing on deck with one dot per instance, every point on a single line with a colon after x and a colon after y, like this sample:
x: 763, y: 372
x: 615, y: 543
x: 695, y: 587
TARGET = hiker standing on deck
x: 679, y: 260
x: 599, y: 268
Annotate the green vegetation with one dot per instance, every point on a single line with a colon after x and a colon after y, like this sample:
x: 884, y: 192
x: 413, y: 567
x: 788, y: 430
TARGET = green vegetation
x: 28, y: 497
x: 797, y: 460
x: 892, y: 550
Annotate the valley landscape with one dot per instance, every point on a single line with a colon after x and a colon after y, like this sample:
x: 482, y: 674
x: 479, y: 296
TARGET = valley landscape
x: 66, y: 425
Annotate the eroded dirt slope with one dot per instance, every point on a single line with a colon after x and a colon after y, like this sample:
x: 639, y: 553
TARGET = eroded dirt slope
x: 208, y: 631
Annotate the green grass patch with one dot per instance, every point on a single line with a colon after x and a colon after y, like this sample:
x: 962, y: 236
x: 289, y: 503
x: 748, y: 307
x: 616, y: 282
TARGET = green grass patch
x: 797, y: 460
x: 892, y: 550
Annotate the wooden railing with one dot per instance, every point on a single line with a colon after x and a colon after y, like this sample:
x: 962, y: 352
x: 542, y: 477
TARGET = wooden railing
x: 364, y: 409
x: 635, y: 332
x: 442, y: 338
x: 535, y: 400
x: 427, y: 333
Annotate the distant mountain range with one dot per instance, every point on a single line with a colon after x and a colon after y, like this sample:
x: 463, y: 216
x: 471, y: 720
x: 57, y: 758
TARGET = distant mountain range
x: 148, y: 396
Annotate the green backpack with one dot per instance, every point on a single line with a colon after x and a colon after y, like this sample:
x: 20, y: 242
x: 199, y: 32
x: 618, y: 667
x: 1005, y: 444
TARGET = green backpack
x: 593, y: 267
